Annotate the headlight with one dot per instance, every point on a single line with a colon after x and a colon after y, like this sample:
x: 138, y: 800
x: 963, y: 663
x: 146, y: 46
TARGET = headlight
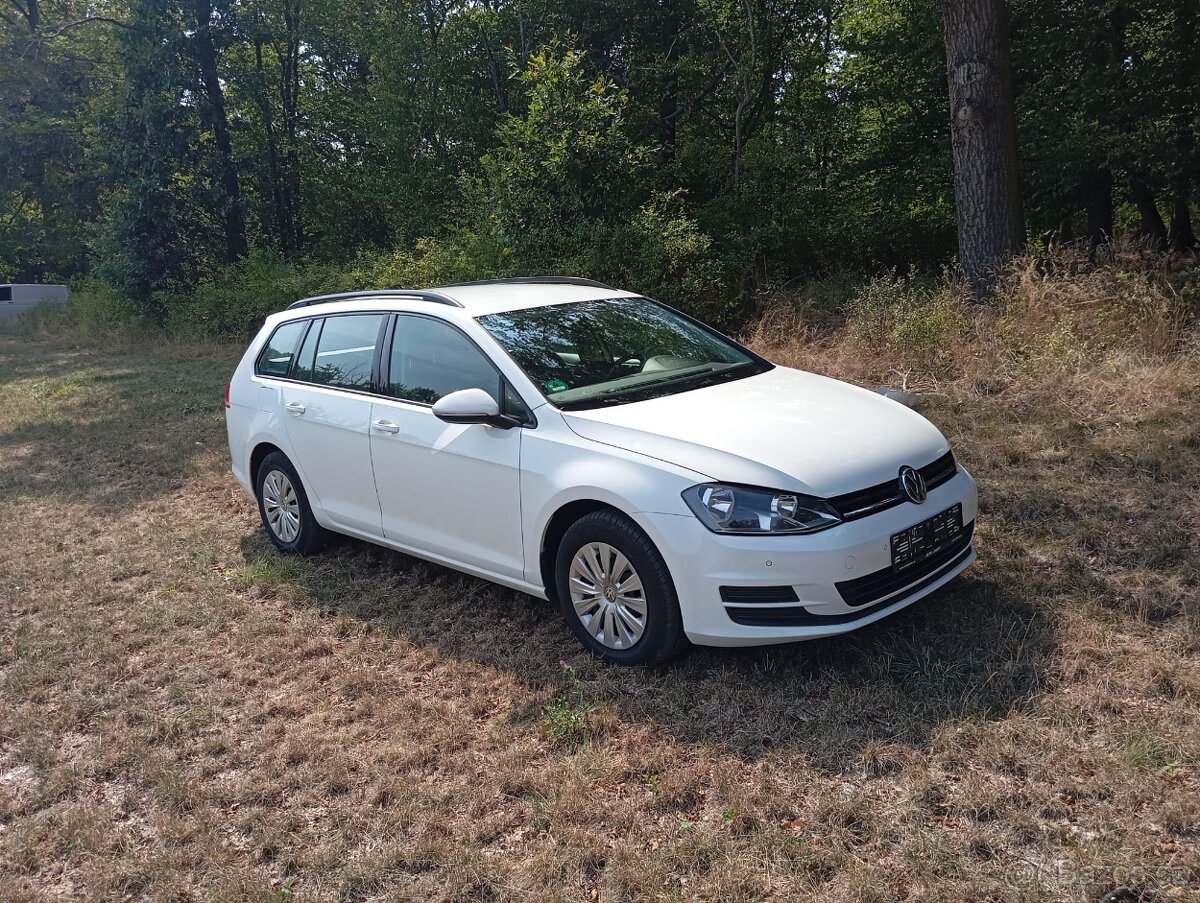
x: 742, y: 509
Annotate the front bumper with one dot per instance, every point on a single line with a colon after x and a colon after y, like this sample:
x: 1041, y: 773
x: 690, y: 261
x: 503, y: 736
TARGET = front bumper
x: 702, y: 563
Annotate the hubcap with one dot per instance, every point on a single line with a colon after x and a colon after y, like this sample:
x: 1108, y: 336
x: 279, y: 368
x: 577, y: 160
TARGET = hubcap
x: 281, y: 505
x: 607, y: 595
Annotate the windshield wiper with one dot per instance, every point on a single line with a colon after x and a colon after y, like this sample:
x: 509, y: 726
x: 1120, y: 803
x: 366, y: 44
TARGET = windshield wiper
x: 682, y: 377
x: 622, y: 394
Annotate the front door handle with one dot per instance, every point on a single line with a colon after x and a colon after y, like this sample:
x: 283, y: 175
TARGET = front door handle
x: 385, y: 426
x: 295, y: 407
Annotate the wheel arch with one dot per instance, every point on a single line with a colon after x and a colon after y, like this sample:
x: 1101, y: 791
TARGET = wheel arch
x: 258, y: 455
x: 556, y: 527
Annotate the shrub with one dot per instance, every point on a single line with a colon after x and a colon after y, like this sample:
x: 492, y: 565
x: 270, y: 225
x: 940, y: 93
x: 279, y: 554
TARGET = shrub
x: 662, y: 252
x: 431, y: 262
x: 917, y: 325
x: 566, y: 721
x: 237, y: 298
x: 95, y: 309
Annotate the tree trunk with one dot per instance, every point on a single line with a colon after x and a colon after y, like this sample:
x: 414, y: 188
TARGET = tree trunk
x: 495, y: 73
x: 32, y: 14
x: 1097, y: 190
x: 987, y: 189
x: 283, y: 142
x: 1182, y: 236
x: 668, y: 104
x: 233, y: 221
x: 1183, y: 122
x: 282, y: 220
x: 290, y: 97
x: 1152, y: 229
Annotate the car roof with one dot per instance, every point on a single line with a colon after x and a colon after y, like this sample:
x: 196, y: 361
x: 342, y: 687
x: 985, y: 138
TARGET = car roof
x: 471, y: 298
x: 487, y: 298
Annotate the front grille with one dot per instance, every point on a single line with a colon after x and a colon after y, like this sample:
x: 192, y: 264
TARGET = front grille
x: 790, y: 616
x: 854, y: 505
x: 749, y: 594
x: 878, y: 585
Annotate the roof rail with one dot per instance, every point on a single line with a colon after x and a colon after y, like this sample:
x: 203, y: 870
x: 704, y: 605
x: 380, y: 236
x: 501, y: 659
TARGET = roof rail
x: 411, y: 294
x: 533, y: 280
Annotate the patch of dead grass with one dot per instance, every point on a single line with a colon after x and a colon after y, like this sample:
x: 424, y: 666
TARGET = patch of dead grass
x: 190, y: 716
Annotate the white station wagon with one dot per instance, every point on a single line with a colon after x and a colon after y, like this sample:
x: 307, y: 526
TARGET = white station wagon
x: 595, y: 447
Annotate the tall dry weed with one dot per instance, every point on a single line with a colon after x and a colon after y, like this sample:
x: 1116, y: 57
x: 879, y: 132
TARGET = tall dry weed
x: 1050, y: 317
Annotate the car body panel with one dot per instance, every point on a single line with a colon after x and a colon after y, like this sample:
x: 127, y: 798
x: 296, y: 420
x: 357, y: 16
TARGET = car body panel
x: 331, y: 444
x: 783, y: 429
x: 451, y: 489
x: 558, y: 470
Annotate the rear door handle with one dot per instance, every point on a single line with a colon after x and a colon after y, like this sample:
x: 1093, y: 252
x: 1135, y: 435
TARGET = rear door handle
x: 385, y: 426
x: 295, y: 407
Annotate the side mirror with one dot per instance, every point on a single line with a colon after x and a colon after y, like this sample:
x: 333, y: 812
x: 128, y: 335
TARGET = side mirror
x: 471, y: 406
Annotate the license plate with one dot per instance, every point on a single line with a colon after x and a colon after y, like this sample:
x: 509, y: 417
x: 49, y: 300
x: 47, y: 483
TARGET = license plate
x: 921, y: 542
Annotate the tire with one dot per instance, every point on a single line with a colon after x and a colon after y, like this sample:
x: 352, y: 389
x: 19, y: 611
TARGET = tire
x: 297, y: 531
x: 608, y: 626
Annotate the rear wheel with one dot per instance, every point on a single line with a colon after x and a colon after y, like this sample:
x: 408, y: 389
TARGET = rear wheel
x: 286, y: 515
x: 616, y: 593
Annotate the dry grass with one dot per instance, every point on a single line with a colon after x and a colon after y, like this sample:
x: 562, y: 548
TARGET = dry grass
x: 188, y: 716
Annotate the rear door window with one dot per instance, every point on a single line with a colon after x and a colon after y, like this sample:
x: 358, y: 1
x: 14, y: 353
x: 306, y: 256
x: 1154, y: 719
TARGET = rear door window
x: 276, y: 358
x: 345, y: 351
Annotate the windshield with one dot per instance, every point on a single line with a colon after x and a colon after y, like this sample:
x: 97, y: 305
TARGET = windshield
x: 616, y: 350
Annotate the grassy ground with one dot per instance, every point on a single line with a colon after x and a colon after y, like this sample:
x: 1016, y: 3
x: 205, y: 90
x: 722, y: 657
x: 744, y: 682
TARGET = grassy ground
x: 186, y: 715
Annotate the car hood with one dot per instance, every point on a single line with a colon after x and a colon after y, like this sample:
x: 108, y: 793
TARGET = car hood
x: 783, y: 429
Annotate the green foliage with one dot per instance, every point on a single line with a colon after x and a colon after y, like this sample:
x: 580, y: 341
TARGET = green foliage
x: 663, y: 252
x: 562, y: 175
x: 561, y: 194
x: 48, y: 190
x: 567, y: 161
x: 431, y: 262
x: 240, y: 296
x: 913, y: 322
x: 703, y: 151
x: 96, y: 308
x: 565, y: 721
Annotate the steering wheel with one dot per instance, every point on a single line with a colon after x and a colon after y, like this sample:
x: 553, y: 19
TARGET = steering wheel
x: 618, y: 365
x: 609, y: 352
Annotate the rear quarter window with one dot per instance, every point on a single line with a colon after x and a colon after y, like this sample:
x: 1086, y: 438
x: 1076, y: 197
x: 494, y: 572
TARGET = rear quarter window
x: 276, y: 358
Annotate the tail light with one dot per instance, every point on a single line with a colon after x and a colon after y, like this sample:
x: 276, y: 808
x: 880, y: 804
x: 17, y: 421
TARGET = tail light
x: 227, y: 402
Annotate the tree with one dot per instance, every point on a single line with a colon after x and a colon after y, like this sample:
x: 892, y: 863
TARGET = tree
x: 1185, y: 83
x: 51, y: 74
x: 890, y: 171
x: 563, y: 171
x: 752, y: 144
x: 987, y: 192
x: 164, y: 209
x: 205, y: 53
x: 1151, y: 228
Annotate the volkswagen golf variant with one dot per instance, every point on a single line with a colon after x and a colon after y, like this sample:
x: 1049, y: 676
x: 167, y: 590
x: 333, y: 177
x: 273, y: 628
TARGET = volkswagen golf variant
x: 659, y: 481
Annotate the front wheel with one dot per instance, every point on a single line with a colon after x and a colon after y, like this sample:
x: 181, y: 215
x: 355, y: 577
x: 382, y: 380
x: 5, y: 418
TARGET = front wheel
x: 616, y: 592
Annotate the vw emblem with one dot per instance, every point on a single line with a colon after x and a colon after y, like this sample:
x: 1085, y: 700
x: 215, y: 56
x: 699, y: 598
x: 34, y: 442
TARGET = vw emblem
x: 912, y: 484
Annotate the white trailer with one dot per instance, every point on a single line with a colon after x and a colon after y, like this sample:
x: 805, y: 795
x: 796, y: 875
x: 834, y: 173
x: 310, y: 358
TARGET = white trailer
x: 16, y: 299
